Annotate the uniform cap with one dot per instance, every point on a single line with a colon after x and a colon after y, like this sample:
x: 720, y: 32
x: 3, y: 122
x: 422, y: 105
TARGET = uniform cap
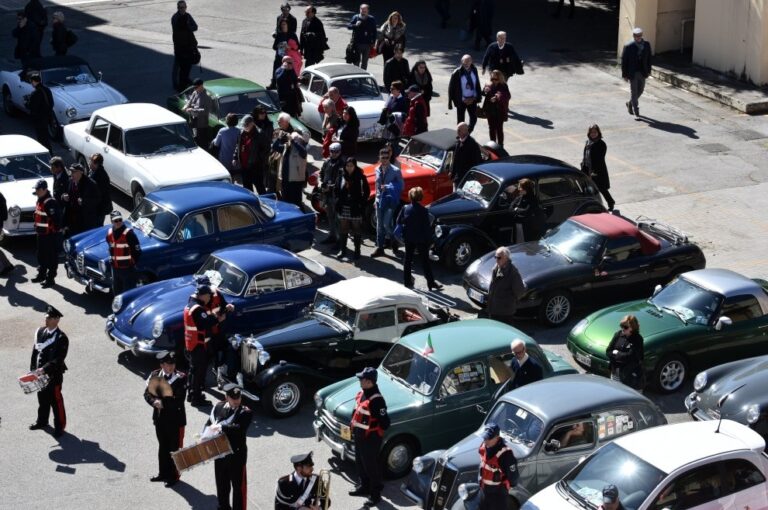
x: 53, y: 313
x: 610, y: 494
x: 167, y: 357
x: 490, y: 431
x: 41, y: 184
x: 203, y: 280
x: 302, y: 459
x: 335, y: 147
x: 369, y: 373
x: 232, y: 390
x: 115, y: 215
x: 637, y: 31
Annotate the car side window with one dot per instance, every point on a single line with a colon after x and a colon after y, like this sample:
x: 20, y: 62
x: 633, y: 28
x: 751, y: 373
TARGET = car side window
x: 463, y: 378
x: 115, y: 139
x: 556, y: 186
x: 304, y: 80
x: 573, y: 435
x: 499, y: 367
x: 266, y: 282
x: 611, y: 424
x: 623, y: 248
x: 691, y: 489
x: 407, y: 314
x: 740, y: 474
x: 295, y: 279
x: 232, y: 217
x: 376, y: 320
x: 99, y: 129
x: 317, y: 86
x: 197, y: 225
x: 741, y: 308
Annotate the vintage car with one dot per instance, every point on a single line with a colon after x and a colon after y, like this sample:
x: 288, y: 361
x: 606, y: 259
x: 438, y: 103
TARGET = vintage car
x: 267, y: 286
x: 233, y: 95
x: 350, y: 325
x: 145, y: 147
x: 685, y: 466
x: 701, y: 319
x: 432, y: 397
x: 76, y: 90
x: 23, y: 162
x: 357, y: 86
x: 549, y: 425
x: 477, y: 217
x: 590, y: 258
x: 179, y: 226
x: 733, y: 391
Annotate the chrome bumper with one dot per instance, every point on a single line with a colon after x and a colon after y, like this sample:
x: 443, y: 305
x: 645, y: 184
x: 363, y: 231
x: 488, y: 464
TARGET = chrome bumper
x: 89, y: 283
x: 130, y: 343
x: 346, y: 452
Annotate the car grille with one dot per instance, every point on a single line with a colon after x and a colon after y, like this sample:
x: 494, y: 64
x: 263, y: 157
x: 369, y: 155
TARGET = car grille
x: 27, y: 217
x: 442, y: 483
x: 334, y: 426
x: 249, y: 359
x: 93, y: 273
x: 80, y: 263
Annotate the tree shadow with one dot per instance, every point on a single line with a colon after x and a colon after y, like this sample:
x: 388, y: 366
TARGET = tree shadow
x: 669, y: 127
x: 535, y: 121
x: 73, y: 450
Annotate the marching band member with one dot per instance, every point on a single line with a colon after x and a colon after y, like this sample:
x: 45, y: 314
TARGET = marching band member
x: 48, y: 354
x: 168, y: 415
x: 299, y: 489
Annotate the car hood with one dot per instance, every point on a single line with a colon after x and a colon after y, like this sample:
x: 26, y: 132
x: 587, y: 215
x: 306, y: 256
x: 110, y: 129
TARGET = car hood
x: 93, y: 243
x: 750, y: 379
x: 367, y: 108
x: 20, y: 192
x: 548, y: 499
x: 453, y: 207
x: 463, y: 454
x: 181, y: 167
x: 409, y: 168
x: 87, y: 96
x: 300, y: 331
x: 161, y: 300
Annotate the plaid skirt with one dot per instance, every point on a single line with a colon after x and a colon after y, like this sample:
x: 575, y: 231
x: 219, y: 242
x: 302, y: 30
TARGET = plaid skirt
x: 346, y: 214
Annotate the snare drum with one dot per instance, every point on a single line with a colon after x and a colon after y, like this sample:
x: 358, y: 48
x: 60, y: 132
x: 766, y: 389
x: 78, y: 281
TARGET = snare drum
x: 202, y: 452
x: 31, y: 382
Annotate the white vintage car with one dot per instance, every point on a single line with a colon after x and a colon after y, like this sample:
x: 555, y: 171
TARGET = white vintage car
x: 145, y: 147
x: 357, y: 86
x: 76, y: 91
x: 23, y: 162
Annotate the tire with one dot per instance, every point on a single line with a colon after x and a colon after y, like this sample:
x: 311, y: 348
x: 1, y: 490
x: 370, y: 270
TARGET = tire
x: 55, y: 131
x: 556, y: 308
x: 369, y: 217
x: 138, y: 195
x: 282, y: 397
x: 82, y: 161
x: 397, y: 457
x: 8, y: 107
x: 460, y: 253
x: 670, y: 373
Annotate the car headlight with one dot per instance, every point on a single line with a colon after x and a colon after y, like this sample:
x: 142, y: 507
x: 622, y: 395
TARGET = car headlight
x: 318, y: 401
x: 473, y: 266
x: 14, y: 211
x: 439, y: 231
x: 71, y: 112
x: 157, y: 328
x: 264, y: 357
x: 421, y: 464
x: 753, y: 414
x: 700, y: 381
x: 117, y: 303
x: 103, y: 266
x: 580, y: 327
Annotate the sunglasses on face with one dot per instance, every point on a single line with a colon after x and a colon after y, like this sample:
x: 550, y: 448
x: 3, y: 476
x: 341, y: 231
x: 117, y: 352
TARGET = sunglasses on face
x: 518, y: 352
x: 117, y: 221
x: 624, y: 327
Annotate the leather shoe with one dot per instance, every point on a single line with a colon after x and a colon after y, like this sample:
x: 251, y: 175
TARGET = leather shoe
x: 157, y: 478
x: 378, y: 252
x: 360, y: 491
x: 372, y: 501
x: 37, y: 279
x: 436, y: 286
x: 172, y: 482
x: 47, y: 284
x: 37, y: 426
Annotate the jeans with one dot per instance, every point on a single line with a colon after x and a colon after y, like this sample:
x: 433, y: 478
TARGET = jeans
x: 636, y: 86
x: 384, y: 224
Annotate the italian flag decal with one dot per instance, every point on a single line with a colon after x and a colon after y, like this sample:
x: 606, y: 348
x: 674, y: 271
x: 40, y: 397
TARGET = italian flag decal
x: 428, y: 349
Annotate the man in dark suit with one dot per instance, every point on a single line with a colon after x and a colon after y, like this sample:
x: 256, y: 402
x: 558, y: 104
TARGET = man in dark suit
x: 636, y: 68
x: 465, y: 155
x: 41, y: 110
x: 526, y: 369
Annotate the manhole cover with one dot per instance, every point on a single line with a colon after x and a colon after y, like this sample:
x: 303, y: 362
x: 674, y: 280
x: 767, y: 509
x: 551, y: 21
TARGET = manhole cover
x: 749, y: 134
x: 713, y: 148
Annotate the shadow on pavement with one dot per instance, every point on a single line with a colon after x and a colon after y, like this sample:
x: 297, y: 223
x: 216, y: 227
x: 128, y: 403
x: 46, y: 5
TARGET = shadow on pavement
x: 669, y: 127
x: 534, y: 121
x: 194, y: 498
x: 73, y: 450
x: 391, y: 495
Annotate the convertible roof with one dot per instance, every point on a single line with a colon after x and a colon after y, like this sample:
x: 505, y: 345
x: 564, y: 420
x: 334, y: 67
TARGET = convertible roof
x: 42, y: 63
x: 369, y: 292
x: 334, y: 70
x: 514, y: 168
x: 441, y: 138
x: 613, y: 225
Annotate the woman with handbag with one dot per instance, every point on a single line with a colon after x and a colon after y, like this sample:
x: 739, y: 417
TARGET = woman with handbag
x: 593, y: 163
x: 351, y: 199
x: 625, y: 354
x: 496, y: 105
x: 391, y: 34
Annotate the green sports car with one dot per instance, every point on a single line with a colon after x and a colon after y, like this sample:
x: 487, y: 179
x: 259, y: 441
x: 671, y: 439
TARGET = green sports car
x: 701, y: 319
x: 233, y: 95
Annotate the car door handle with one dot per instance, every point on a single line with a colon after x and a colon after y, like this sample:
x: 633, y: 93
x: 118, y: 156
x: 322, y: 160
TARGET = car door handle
x: 106, y: 149
x: 440, y: 406
x: 87, y: 138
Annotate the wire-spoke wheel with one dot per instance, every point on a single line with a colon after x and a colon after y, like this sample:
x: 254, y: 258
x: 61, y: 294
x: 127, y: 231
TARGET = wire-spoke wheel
x: 555, y: 308
x: 283, y: 396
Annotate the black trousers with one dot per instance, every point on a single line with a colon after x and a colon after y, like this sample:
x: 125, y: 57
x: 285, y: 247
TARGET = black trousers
x: 49, y: 398
x: 607, y: 196
x: 254, y: 177
x: 202, y: 136
x: 231, y: 476
x: 198, y: 364
x: 493, y: 499
x: 48, y: 246
x: 423, y: 249
x: 471, y: 109
x: 367, y: 451
x: 123, y: 279
x: 180, y: 74
x: 169, y: 439
x: 292, y: 192
x: 42, y: 134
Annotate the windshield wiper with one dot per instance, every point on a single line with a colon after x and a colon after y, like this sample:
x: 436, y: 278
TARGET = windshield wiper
x: 658, y: 308
x: 558, y: 250
x: 398, y: 379
x: 677, y: 314
x: 573, y: 496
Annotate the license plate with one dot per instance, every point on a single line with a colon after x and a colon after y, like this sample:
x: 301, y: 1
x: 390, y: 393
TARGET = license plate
x: 346, y: 433
x: 473, y: 294
x: 583, y: 359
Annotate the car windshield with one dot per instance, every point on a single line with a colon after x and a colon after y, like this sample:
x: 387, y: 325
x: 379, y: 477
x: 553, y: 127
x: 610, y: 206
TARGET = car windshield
x: 68, y: 75
x: 411, y: 369
x: 228, y: 278
x: 480, y: 185
x: 424, y: 152
x: 357, y: 88
x: 690, y: 302
x: 575, y: 242
x: 31, y: 166
x: 326, y: 305
x: 245, y: 102
x: 516, y: 423
x: 159, y: 139
x: 154, y: 220
x: 612, y: 464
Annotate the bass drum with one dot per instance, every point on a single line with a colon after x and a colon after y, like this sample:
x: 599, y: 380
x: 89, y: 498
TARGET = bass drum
x: 491, y: 151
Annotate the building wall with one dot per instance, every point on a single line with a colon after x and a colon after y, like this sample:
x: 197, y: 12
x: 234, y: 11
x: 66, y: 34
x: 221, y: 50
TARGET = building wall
x: 669, y: 19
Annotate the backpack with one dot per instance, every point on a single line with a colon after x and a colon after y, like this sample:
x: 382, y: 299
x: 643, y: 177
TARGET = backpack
x: 70, y: 38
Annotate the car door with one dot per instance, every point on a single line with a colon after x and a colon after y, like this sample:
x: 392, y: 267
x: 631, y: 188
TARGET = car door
x: 21, y: 90
x: 237, y: 224
x: 96, y: 141
x: 462, y: 389
x: 194, y: 240
x: 375, y: 332
x: 559, y: 197
x: 266, y: 302
x: 312, y: 87
x: 498, y: 220
x: 621, y: 272
x: 747, y: 335
x: 114, y: 156
x: 576, y: 438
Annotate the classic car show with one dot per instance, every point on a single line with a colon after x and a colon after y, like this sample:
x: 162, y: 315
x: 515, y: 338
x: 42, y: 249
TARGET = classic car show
x: 420, y: 255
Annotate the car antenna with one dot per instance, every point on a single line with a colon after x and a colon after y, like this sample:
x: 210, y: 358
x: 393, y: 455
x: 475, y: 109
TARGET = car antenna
x: 720, y: 403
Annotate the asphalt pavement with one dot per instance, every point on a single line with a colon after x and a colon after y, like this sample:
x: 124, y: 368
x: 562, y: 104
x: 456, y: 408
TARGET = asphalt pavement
x: 687, y: 161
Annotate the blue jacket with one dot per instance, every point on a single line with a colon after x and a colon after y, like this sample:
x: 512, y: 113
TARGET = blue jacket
x: 366, y: 32
x: 417, y: 229
x: 393, y: 183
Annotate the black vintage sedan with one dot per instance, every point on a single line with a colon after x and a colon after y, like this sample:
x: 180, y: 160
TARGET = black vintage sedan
x: 744, y: 382
x: 590, y: 258
x: 477, y: 216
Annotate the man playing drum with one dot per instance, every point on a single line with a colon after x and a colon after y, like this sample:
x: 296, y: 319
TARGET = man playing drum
x: 48, y: 354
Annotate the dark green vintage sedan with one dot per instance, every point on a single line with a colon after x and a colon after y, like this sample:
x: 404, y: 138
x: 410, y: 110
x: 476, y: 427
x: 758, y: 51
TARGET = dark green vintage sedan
x: 233, y: 95
x: 701, y: 319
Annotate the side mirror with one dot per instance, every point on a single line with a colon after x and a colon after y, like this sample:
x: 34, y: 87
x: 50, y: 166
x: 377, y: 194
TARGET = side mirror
x: 723, y: 321
x: 657, y: 289
x: 481, y: 409
x: 468, y: 491
x: 607, y: 260
x: 552, y: 446
x: 100, y: 75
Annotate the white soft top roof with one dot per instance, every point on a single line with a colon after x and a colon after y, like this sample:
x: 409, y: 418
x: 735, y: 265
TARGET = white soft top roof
x: 670, y: 447
x: 137, y: 115
x: 368, y: 292
x: 20, y: 145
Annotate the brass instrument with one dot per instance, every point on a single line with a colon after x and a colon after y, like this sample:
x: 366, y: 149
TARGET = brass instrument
x: 322, y: 496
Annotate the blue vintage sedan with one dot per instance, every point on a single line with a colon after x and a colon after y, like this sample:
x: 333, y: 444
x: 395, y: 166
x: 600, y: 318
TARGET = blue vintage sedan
x: 179, y: 226
x: 267, y: 285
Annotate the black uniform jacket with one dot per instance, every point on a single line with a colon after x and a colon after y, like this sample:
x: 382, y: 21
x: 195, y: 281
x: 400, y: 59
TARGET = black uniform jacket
x: 507, y: 464
x: 50, y: 356
x: 528, y: 372
x: 235, y: 429
x: 173, y: 413
x: 291, y: 488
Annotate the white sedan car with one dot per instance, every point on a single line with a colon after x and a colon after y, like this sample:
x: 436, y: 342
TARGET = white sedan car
x: 357, y: 86
x: 76, y: 91
x: 685, y: 466
x: 23, y: 162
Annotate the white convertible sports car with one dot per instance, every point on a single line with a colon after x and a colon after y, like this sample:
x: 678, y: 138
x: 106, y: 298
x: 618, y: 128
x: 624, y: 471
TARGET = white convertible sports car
x: 23, y: 162
x: 77, y: 92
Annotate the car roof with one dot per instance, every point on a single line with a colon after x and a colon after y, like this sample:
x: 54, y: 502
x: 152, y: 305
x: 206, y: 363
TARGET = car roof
x: 572, y: 395
x: 336, y: 70
x: 227, y: 86
x: 51, y: 62
x: 137, y: 115
x: 670, y: 447
x: 255, y: 258
x: 514, y: 168
x: 465, y: 340
x: 727, y: 283
x: 444, y: 138
x: 199, y: 195
x: 366, y: 292
x: 612, y: 226
x: 20, y: 145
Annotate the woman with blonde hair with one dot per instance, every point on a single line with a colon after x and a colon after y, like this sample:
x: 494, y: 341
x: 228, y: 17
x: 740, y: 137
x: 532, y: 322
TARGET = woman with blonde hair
x: 496, y: 105
x: 625, y: 354
x: 391, y: 34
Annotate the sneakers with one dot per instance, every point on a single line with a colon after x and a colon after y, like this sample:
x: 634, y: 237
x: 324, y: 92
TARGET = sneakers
x: 629, y: 107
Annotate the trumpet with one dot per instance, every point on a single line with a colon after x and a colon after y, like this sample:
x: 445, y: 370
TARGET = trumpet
x: 322, y: 497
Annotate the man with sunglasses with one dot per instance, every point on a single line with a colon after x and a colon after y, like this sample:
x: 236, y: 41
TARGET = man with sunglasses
x: 124, y: 253
x: 389, y: 186
x: 505, y: 289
